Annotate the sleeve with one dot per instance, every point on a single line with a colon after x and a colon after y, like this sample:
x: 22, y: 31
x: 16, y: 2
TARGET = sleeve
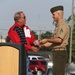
x: 30, y: 35
x: 62, y: 32
x: 14, y: 37
x: 32, y: 38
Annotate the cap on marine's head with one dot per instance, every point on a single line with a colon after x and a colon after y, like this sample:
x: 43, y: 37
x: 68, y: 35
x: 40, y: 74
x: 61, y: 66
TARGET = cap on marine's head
x: 56, y: 8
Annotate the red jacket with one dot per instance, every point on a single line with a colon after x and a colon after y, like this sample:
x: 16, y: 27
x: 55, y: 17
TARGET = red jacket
x: 14, y: 37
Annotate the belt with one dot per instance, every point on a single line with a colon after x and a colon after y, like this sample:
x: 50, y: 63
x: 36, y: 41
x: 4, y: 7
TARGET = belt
x: 59, y: 49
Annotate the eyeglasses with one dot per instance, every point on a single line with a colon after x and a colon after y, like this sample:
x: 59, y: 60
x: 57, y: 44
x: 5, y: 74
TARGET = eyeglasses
x: 24, y: 17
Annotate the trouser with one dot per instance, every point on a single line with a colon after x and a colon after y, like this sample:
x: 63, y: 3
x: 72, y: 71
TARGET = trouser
x: 59, y: 62
x: 27, y: 64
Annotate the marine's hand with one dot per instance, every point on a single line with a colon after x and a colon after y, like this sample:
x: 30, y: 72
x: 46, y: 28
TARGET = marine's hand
x: 45, y: 45
x: 42, y: 46
x: 43, y: 41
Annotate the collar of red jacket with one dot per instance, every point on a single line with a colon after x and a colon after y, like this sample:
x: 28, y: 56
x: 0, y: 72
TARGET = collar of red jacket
x: 17, y: 24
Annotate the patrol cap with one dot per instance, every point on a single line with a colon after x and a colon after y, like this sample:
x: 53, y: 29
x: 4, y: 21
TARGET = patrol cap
x: 56, y: 8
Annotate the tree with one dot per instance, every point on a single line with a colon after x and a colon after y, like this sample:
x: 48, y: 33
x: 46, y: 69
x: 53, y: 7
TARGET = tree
x: 7, y: 39
x: 46, y: 35
x: 73, y: 37
x: 36, y: 36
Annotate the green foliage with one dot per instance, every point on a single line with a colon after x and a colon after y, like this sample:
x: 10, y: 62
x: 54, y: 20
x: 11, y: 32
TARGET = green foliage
x: 46, y: 35
x: 36, y: 36
x: 7, y: 39
x: 73, y: 44
x: 73, y: 38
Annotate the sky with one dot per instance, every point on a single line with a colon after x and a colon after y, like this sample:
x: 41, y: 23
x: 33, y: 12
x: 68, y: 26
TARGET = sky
x: 37, y: 13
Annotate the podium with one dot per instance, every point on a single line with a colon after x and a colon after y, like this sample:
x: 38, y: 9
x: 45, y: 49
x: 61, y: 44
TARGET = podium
x: 12, y: 59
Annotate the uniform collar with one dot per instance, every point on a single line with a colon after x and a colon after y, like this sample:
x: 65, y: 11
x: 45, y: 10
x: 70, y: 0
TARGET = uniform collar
x: 59, y: 23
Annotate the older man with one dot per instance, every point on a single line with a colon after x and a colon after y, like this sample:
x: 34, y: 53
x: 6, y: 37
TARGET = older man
x: 20, y: 33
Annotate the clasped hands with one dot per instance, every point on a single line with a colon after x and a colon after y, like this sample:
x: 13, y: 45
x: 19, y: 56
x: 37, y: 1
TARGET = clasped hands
x: 42, y: 43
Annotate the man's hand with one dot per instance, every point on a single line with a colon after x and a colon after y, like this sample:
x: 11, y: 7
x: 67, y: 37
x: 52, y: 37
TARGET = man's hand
x: 35, y: 49
x: 36, y: 42
x: 48, y: 44
x: 35, y: 46
x: 43, y: 41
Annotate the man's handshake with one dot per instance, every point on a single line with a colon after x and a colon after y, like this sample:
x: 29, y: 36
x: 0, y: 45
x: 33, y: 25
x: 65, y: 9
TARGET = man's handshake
x: 42, y: 43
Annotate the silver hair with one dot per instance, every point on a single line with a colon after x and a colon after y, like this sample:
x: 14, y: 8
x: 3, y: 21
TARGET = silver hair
x: 17, y: 15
